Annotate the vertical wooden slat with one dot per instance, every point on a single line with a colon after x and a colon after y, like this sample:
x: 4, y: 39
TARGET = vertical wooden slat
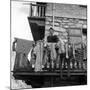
x: 31, y: 10
x: 53, y: 13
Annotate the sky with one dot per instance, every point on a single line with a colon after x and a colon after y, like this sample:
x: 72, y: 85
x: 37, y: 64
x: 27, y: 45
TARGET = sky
x: 19, y: 23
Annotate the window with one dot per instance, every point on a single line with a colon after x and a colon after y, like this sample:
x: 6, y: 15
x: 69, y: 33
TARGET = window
x: 38, y: 10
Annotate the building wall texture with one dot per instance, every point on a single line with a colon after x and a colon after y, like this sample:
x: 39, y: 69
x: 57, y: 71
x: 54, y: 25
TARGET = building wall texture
x: 66, y: 10
x: 67, y: 18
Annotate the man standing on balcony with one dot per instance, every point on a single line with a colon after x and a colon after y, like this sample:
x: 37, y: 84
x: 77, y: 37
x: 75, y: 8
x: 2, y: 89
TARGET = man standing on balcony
x: 50, y: 40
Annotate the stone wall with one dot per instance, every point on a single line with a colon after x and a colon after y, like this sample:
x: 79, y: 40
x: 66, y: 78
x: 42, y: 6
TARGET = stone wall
x: 68, y: 20
x: 66, y: 10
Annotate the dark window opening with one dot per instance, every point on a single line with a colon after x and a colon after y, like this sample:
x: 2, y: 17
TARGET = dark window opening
x: 84, y: 31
